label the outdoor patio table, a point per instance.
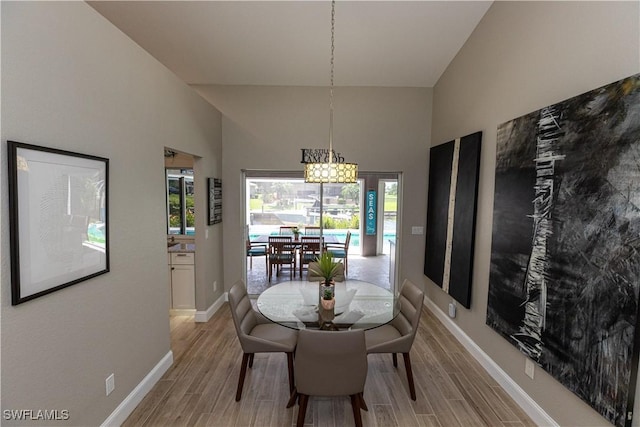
(264, 238)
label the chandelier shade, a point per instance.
(343, 173)
(331, 172)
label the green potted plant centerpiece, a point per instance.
(325, 267)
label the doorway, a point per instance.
(276, 199)
(180, 230)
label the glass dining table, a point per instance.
(358, 305)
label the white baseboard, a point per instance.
(204, 316)
(126, 407)
(182, 311)
(528, 405)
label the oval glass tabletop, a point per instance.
(358, 305)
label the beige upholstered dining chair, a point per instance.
(330, 363)
(257, 334)
(398, 336)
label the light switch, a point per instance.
(110, 384)
(417, 230)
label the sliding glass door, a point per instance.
(274, 202)
(283, 199)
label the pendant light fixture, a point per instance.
(331, 171)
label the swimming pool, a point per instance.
(341, 235)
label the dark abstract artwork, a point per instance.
(565, 256)
(451, 215)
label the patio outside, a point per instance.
(273, 203)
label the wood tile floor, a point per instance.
(199, 389)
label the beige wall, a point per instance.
(382, 129)
(71, 80)
(524, 56)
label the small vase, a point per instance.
(324, 289)
(326, 312)
(328, 304)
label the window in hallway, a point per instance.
(180, 202)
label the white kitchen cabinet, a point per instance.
(183, 281)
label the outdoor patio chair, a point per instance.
(282, 252)
(257, 249)
(287, 230)
(339, 277)
(309, 250)
(340, 250)
(312, 230)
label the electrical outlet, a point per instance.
(417, 230)
(452, 310)
(529, 367)
(110, 383)
(215, 285)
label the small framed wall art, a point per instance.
(215, 201)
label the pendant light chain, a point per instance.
(333, 24)
(330, 171)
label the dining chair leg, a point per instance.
(302, 410)
(251, 262)
(355, 405)
(251, 360)
(293, 398)
(395, 359)
(363, 404)
(243, 372)
(407, 366)
(290, 365)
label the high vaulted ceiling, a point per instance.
(287, 43)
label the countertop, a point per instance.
(182, 247)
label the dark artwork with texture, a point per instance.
(451, 215)
(565, 261)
